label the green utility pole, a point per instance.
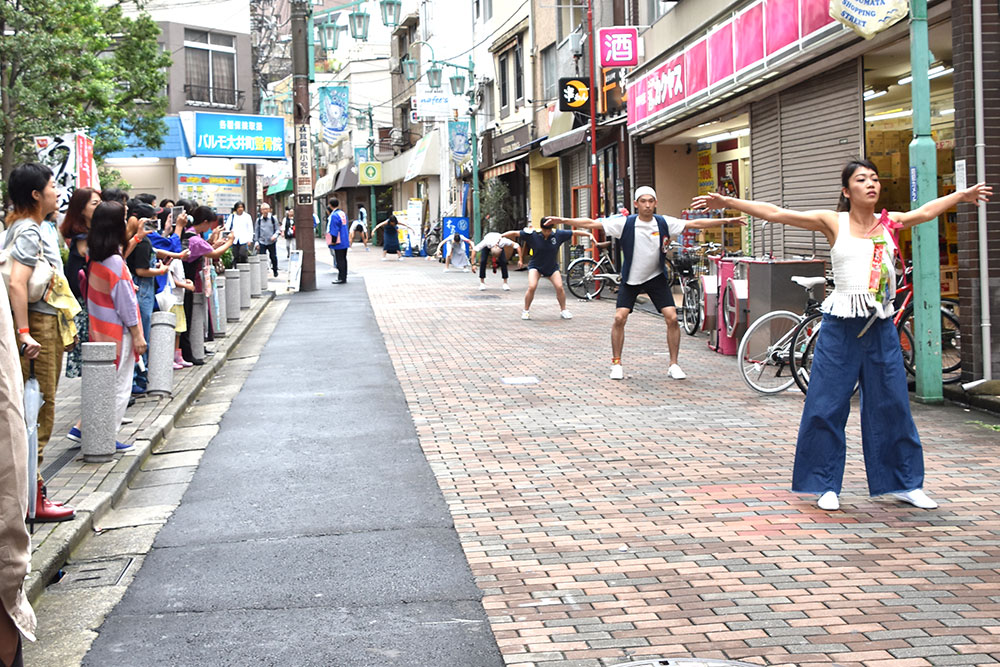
(923, 188)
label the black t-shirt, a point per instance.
(545, 251)
(140, 258)
(73, 264)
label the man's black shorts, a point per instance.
(545, 271)
(657, 289)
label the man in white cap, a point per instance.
(644, 240)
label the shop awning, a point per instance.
(324, 184)
(279, 186)
(173, 145)
(556, 145)
(346, 177)
(501, 168)
(425, 157)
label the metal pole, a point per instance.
(372, 216)
(594, 186)
(477, 227)
(923, 188)
(304, 237)
(984, 255)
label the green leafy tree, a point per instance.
(497, 206)
(70, 65)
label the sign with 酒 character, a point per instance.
(619, 46)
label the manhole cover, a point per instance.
(94, 573)
(686, 662)
(482, 296)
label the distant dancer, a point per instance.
(456, 252)
(544, 245)
(390, 237)
(493, 252)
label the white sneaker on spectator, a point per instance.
(917, 498)
(617, 373)
(828, 501)
(676, 373)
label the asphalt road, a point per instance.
(313, 532)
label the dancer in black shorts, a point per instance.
(644, 241)
(544, 246)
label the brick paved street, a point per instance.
(610, 521)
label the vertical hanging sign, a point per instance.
(303, 165)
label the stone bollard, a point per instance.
(233, 291)
(265, 271)
(161, 353)
(97, 402)
(245, 289)
(219, 322)
(255, 276)
(196, 327)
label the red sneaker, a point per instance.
(47, 511)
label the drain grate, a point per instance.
(93, 574)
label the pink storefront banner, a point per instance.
(761, 30)
(720, 54)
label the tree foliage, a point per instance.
(70, 65)
(497, 206)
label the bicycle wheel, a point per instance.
(803, 342)
(580, 279)
(764, 352)
(691, 310)
(951, 344)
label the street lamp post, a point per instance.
(457, 86)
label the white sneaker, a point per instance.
(566, 315)
(617, 373)
(399, 258)
(506, 287)
(482, 287)
(917, 498)
(828, 501)
(445, 270)
(525, 315)
(676, 373)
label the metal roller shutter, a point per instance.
(765, 171)
(814, 127)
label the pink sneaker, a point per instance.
(179, 361)
(177, 366)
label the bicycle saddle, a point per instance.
(808, 282)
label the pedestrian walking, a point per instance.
(240, 226)
(858, 342)
(360, 224)
(340, 241)
(390, 237)
(17, 619)
(267, 229)
(645, 237)
(32, 190)
(544, 245)
(493, 252)
(288, 231)
(456, 252)
(112, 302)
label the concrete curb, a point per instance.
(53, 553)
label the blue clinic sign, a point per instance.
(239, 136)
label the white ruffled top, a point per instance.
(852, 264)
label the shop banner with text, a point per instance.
(333, 112)
(869, 17)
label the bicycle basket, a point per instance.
(684, 263)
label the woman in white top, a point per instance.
(240, 225)
(847, 353)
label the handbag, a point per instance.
(165, 297)
(40, 280)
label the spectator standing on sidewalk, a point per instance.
(16, 615)
(288, 231)
(202, 219)
(857, 341)
(112, 302)
(267, 229)
(145, 269)
(340, 241)
(645, 237)
(333, 220)
(544, 245)
(32, 191)
(240, 226)
(74, 229)
(492, 251)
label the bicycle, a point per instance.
(587, 277)
(770, 344)
(690, 265)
